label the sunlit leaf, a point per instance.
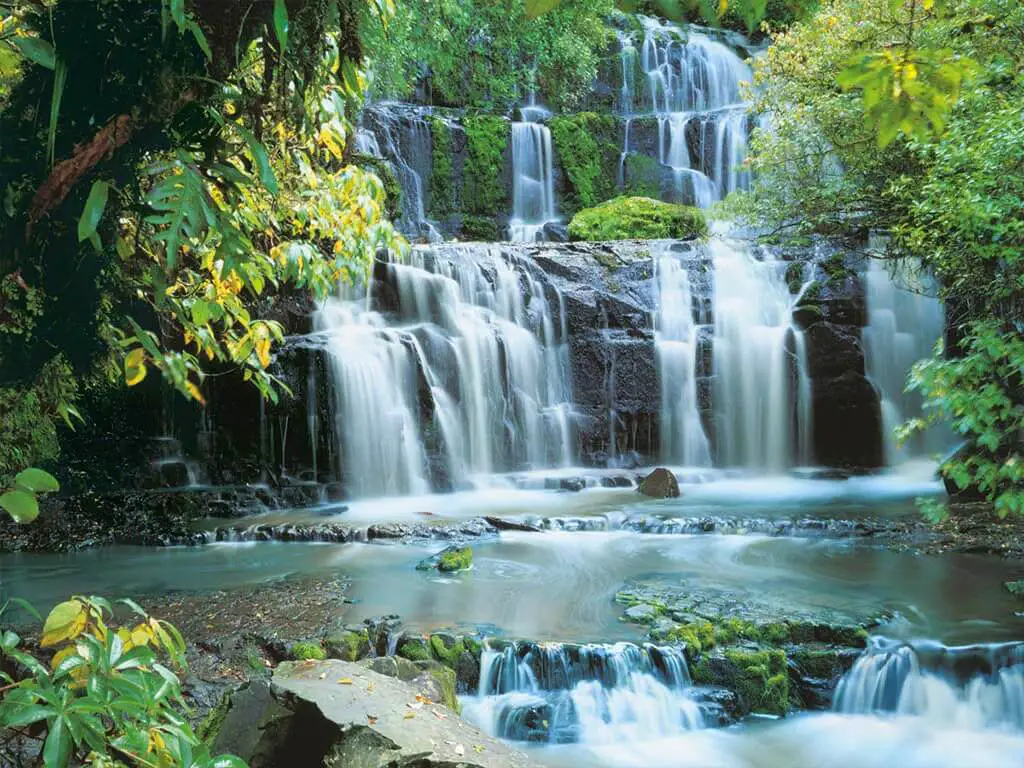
(20, 505)
(66, 621)
(93, 211)
(36, 481)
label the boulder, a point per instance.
(448, 560)
(660, 484)
(373, 721)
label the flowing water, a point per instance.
(692, 83)
(533, 185)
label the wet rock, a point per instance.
(660, 484)
(511, 525)
(642, 614)
(310, 720)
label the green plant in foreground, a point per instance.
(637, 218)
(108, 697)
(21, 501)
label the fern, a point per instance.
(183, 207)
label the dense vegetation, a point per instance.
(854, 145)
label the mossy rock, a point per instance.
(447, 648)
(455, 560)
(1015, 588)
(817, 663)
(480, 228)
(638, 218)
(350, 645)
(642, 176)
(446, 683)
(308, 651)
(587, 148)
(442, 191)
(487, 137)
(762, 682)
(414, 648)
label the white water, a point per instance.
(692, 83)
(533, 186)
(905, 319)
(683, 441)
(479, 339)
(762, 409)
(590, 694)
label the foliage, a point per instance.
(642, 176)
(308, 651)
(949, 192)
(21, 500)
(109, 696)
(487, 137)
(637, 218)
(981, 394)
(487, 54)
(197, 166)
(587, 148)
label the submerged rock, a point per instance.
(660, 484)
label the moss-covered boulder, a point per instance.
(448, 560)
(638, 218)
(762, 682)
(306, 651)
(349, 645)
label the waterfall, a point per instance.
(761, 385)
(403, 138)
(904, 322)
(533, 178)
(591, 694)
(693, 87)
(966, 687)
(683, 441)
(460, 353)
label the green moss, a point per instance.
(308, 651)
(698, 636)
(795, 277)
(209, 728)
(640, 218)
(762, 682)
(414, 649)
(455, 560)
(383, 171)
(447, 649)
(442, 193)
(835, 267)
(587, 150)
(348, 646)
(487, 138)
(642, 176)
(701, 673)
(474, 646)
(1015, 588)
(445, 678)
(775, 634)
(481, 228)
(818, 663)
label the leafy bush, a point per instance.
(638, 218)
(109, 695)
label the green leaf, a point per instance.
(20, 505)
(37, 481)
(36, 50)
(178, 13)
(259, 153)
(57, 749)
(200, 37)
(93, 211)
(281, 23)
(17, 717)
(60, 79)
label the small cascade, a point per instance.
(403, 138)
(980, 686)
(460, 353)
(533, 185)
(683, 441)
(692, 83)
(762, 392)
(590, 694)
(905, 319)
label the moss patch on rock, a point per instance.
(637, 218)
(447, 648)
(350, 645)
(480, 228)
(308, 651)
(587, 150)
(762, 682)
(414, 649)
(455, 560)
(642, 176)
(442, 192)
(445, 679)
(487, 137)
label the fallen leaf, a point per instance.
(479, 748)
(369, 688)
(345, 681)
(408, 715)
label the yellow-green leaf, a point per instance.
(93, 211)
(135, 366)
(21, 505)
(65, 622)
(36, 50)
(281, 23)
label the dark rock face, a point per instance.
(847, 422)
(660, 484)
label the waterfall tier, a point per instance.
(589, 694)
(979, 686)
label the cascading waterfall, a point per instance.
(905, 319)
(761, 386)
(404, 140)
(693, 86)
(591, 694)
(978, 686)
(533, 185)
(475, 348)
(683, 441)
